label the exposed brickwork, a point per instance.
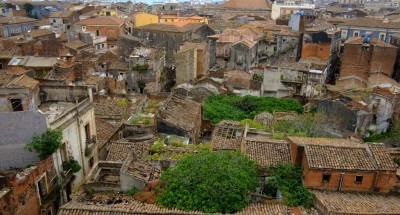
(320, 51)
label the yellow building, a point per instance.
(181, 18)
(108, 12)
(141, 19)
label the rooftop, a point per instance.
(141, 170)
(325, 142)
(55, 109)
(139, 208)
(40, 32)
(267, 152)
(180, 112)
(15, 20)
(62, 14)
(357, 203)
(333, 157)
(101, 20)
(172, 26)
(104, 130)
(22, 81)
(227, 135)
(249, 5)
(76, 44)
(371, 22)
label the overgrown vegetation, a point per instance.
(71, 165)
(287, 178)
(170, 150)
(231, 107)
(45, 144)
(397, 161)
(132, 191)
(140, 67)
(200, 183)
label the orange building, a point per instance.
(343, 165)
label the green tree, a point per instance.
(210, 182)
(287, 178)
(28, 7)
(46, 143)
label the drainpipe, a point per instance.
(341, 181)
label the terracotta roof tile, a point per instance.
(171, 27)
(371, 22)
(119, 151)
(250, 5)
(102, 20)
(76, 44)
(333, 157)
(325, 141)
(180, 112)
(40, 32)
(22, 81)
(357, 203)
(104, 130)
(382, 158)
(134, 207)
(267, 152)
(15, 20)
(62, 14)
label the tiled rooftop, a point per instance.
(356, 203)
(138, 208)
(180, 112)
(167, 27)
(40, 32)
(382, 158)
(227, 135)
(371, 22)
(267, 152)
(119, 151)
(325, 141)
(333, 157)
(141, 170)
(104, 130)
(102, 20)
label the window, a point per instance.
(356, 33)
(91, 162)
(42, 187)
(16, 104)
(1, 66)
(326, 177)
(97, 33)
(64, 153)
(87, 132)
(359, 179)
(382, 36)
(54, 21)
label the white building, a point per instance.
(289, 7)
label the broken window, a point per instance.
(359, 179)
(326, 177)
(16, 104)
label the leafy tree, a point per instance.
(287, 178)
(209, 182)
(28, 7)
(46, 143)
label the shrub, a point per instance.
(199, 183)
(46, 143)
(158, 147)
(132, 191)
(287, 178)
